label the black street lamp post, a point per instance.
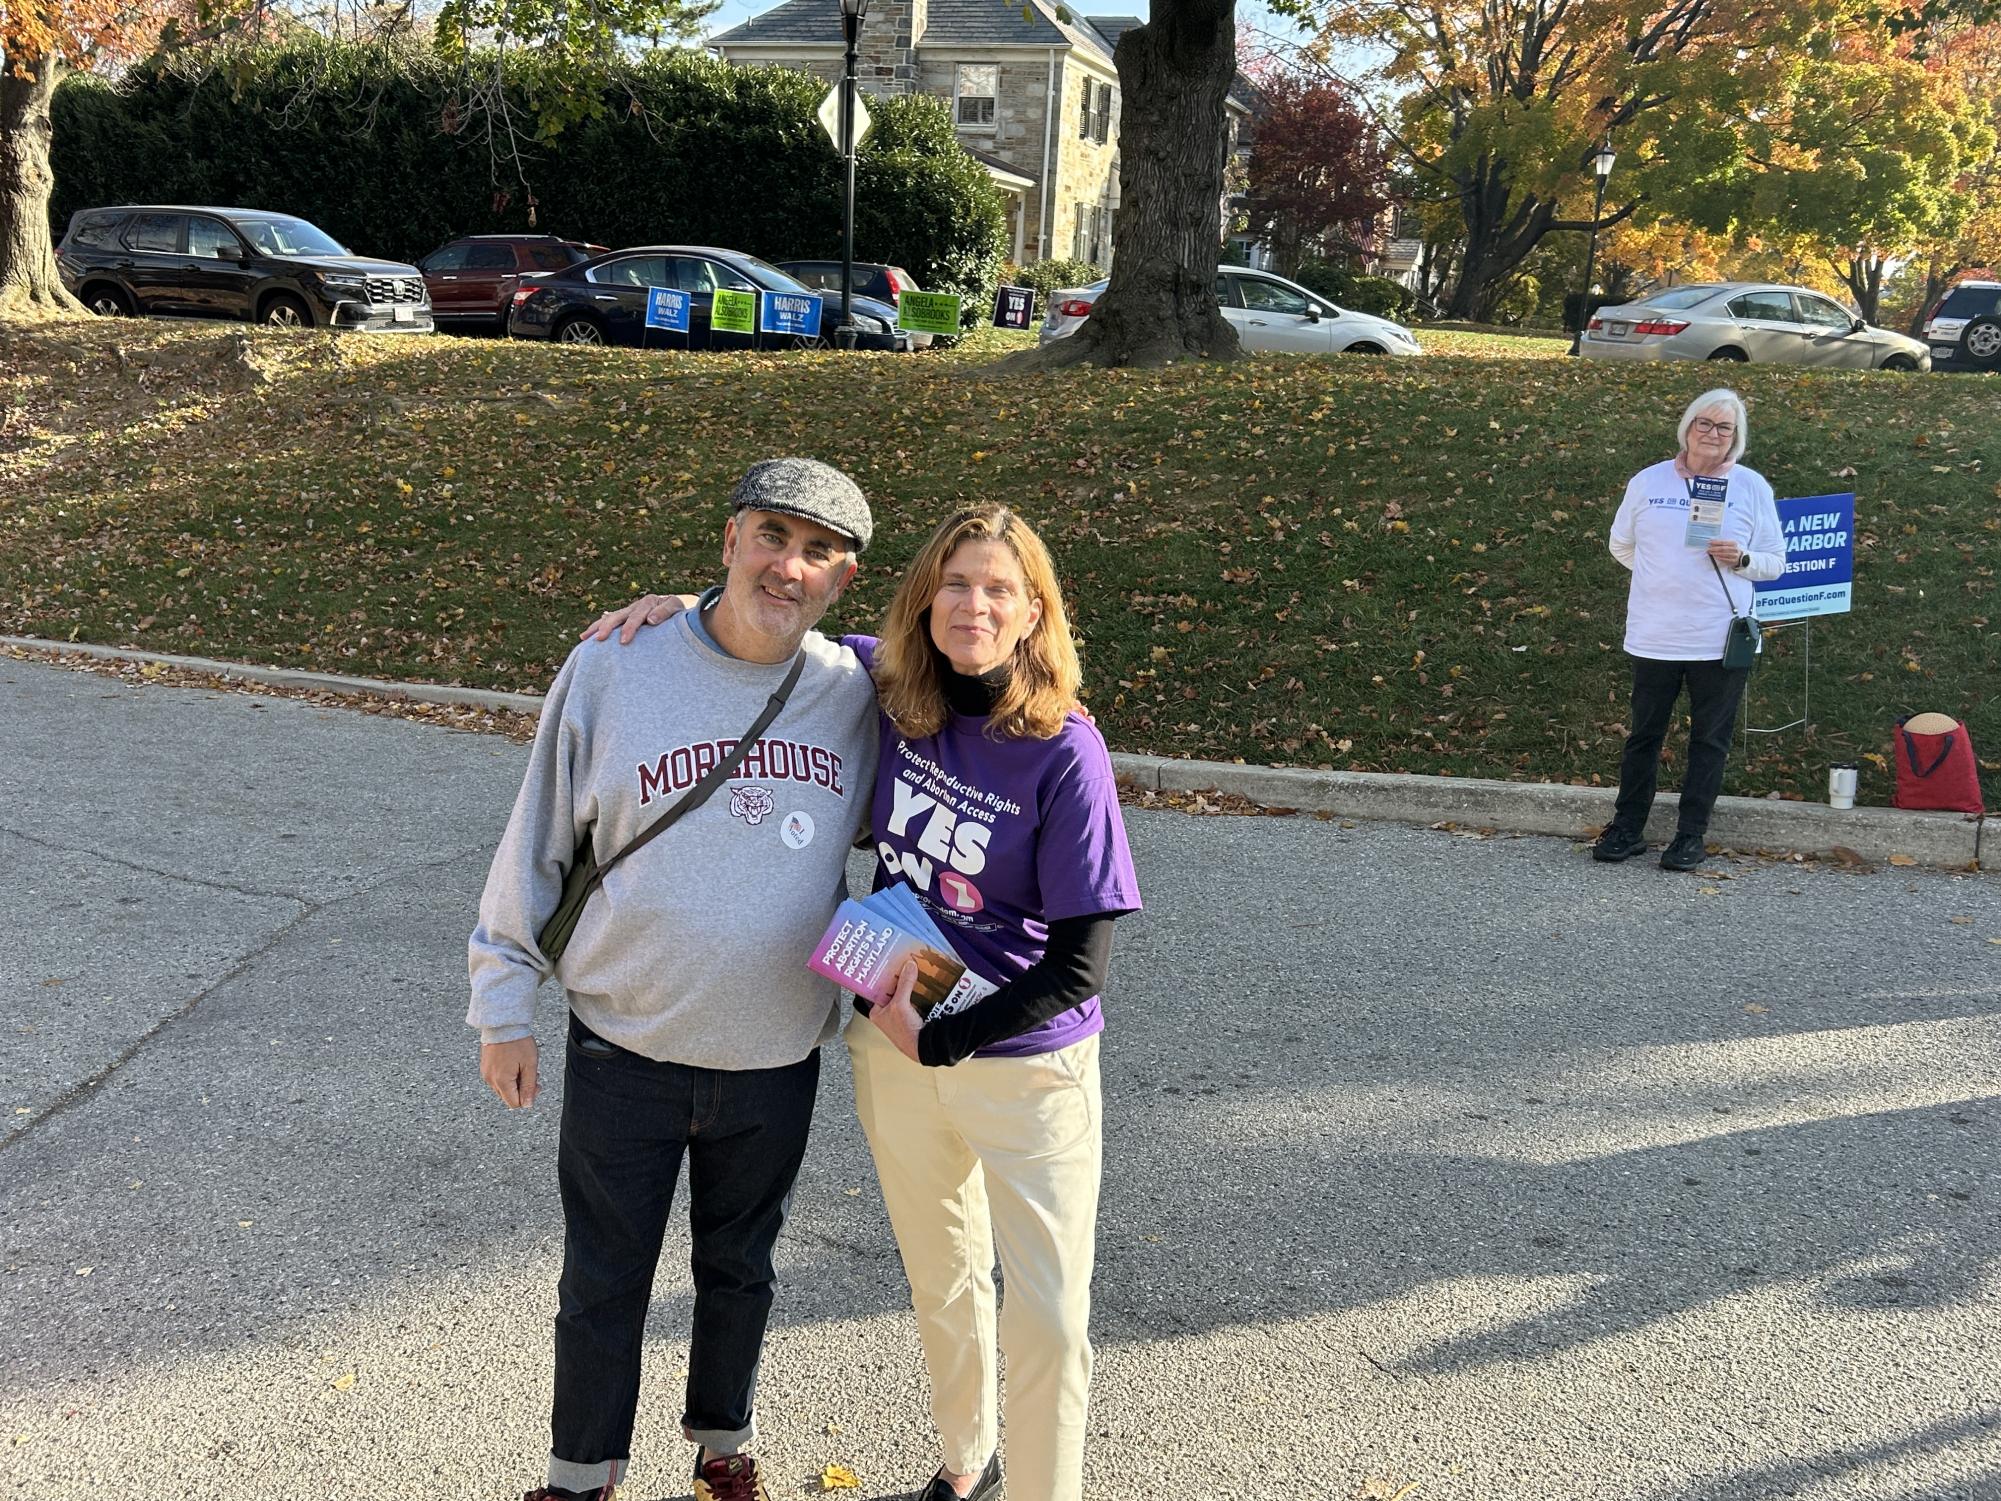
(1601, 167)
(852, 13)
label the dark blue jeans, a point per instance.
(627, 1123)
(1713, 692)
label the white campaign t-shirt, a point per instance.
(1675, 609)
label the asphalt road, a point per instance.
(1432, 1161)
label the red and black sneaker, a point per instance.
(728, 1477)
(554, 1493)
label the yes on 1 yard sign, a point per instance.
(1014, 307)
(1820, 560)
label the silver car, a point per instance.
(1268, 312)
(1756, 321)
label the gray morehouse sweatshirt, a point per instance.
(694, 949)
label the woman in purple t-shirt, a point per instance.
(995, 803)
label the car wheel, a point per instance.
(1364, 349)
(580, 330)
(1730, 356)
(286, 312)
(108, 302)
(1980, 342)
(1901, 362)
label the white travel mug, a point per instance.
(1841, 786)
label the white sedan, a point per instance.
(1268, 312)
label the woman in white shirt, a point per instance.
(1696, 531)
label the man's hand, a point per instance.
(648, 609)
(509, 1071)
(897, 1018)
(1726, 553)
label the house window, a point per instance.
(1080, 241)
(1084, 117)
(979, 84)
(1104, 130)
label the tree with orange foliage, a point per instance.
(40, 42)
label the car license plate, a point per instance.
(1944, 348)
(403, 314)
(1618, 330)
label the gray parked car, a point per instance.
(1756, 321)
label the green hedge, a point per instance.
(376, 145)
(1355, 290)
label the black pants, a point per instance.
(627, 1123)
(1713, 692)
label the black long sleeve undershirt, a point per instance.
(1070, 971)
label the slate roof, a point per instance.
(959, 23)
(949, 23)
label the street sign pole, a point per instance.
(851, 25)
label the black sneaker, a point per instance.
(987, 1485)
(1617, 843)
(555, 1493)
(1685, 853)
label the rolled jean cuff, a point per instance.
(571, 1475)
(721, 1440)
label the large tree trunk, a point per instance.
(29, 286)
(1160, 305)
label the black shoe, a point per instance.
(988, 1484)
(1685, 853)
(1617, 843)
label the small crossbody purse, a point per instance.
(1745, 639)
(585, 874)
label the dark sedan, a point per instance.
(603, 301)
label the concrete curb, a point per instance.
(290, 677)
(1947, 841)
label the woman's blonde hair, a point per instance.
(1042, 688)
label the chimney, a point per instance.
(886, 61)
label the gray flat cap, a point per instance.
(806, 488)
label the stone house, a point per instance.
(1034, 97)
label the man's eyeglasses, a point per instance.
(1706, 425)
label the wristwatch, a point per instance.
(1743, 561)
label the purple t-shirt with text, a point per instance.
(998, 838)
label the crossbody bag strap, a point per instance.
(1729, 599)
(716, 775)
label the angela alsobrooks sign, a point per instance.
(1820, 560)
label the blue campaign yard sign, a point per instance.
(666, 308)
(789, 313)
(1820, 560)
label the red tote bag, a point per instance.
(1935, 765)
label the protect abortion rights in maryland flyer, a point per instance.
(868, 942)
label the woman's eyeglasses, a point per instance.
(1721, 429)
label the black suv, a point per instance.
(234, 263)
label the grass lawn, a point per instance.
(1370, 564)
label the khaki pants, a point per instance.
(995, 1153)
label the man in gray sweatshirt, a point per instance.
(695, 1025)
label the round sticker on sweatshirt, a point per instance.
(797, 830)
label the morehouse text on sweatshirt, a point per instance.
(1676, 611)
(693, 950)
